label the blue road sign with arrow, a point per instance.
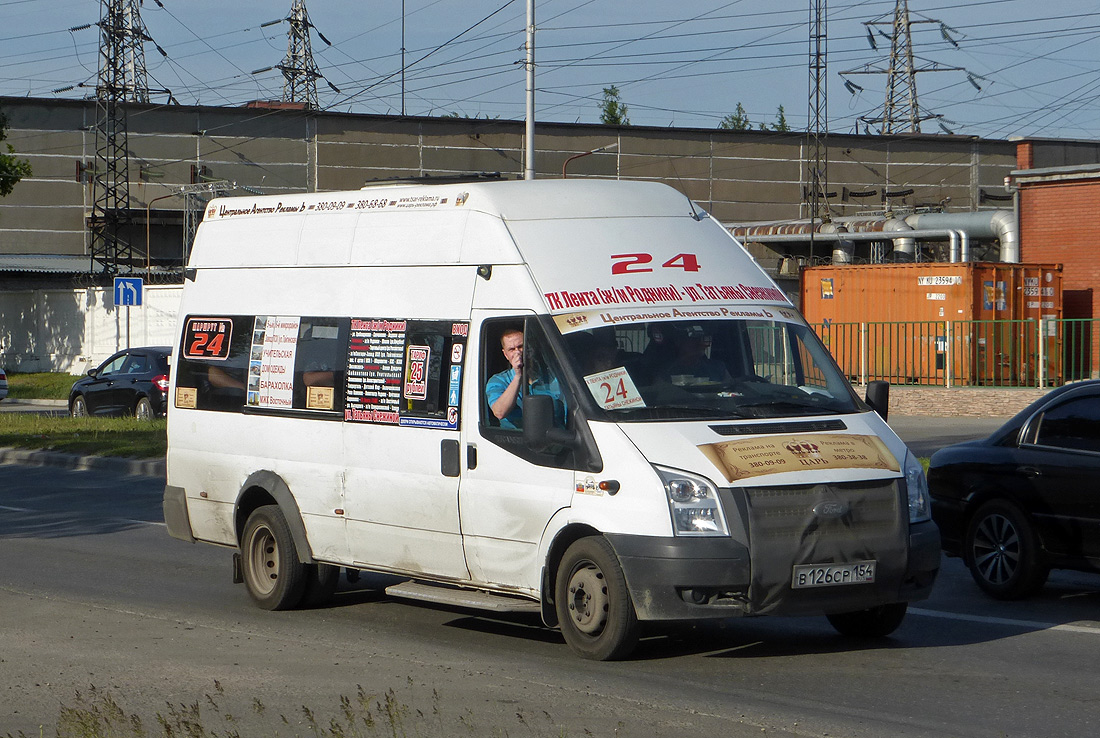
(128, 291)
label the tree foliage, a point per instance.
(11, 169)
(612, 109)
(475, 116)
(780, 121)
(738, 120)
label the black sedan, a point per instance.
(1027, 499)
(132, 382)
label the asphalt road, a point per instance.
(925, 435)
(95, 598)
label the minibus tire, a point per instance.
(593, 603)
(875, 622)
(275, 578)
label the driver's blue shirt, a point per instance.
(497, 383)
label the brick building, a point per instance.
(1058, 200)
(1059, 211)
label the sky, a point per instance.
(995, 68)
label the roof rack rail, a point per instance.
(445, 179)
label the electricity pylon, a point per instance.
(122, 78)
(901, 113)
(817, 131)
(300, 72)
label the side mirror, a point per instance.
(93, 371)
(539, 432)
(878, 397)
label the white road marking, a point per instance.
(124, 520)
(1032, 624)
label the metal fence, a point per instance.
(990, 353)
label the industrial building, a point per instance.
(742, 177)
(906, 198)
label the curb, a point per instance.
(21, 402)
(77, 462)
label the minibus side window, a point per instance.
(503, 423)
(319, 365)
(212, 371)
(433, 368)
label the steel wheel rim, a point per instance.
(263, 557)
(588, 600)
(996, 549)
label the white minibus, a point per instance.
(580, 398)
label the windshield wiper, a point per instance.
(663, 411)
(786, 405)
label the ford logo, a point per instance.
(830, 509)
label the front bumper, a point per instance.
(712, 578)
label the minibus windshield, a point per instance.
(724, 368)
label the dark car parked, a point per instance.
(132, 382)
(1027, 499)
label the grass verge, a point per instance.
(40, 385)
(97, 714)
(129, 437)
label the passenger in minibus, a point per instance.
(692, 364)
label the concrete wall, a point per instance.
(740, 176)
(72, 330)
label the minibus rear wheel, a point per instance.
(275, 578)
(593, 603)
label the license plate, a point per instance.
(831, 575)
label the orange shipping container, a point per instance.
(938, 323)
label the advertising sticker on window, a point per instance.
(375, 359)
(271, 368)
(416, 373)
(614, 389)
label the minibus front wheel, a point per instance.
(593, 603)
(275, 578)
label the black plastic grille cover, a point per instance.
(785, 530)
(793, 426)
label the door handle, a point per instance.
(448, 457)
(1029, 471)
(471, 456)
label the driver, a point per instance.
(504, 390)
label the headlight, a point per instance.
(917, 486)
(693, 502)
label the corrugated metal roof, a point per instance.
(45, 264)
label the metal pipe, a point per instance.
(984, 224)
(148, 208)
(584, 154)
(529, 170)
(998, 224)
(958, 248)
(922, 234)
